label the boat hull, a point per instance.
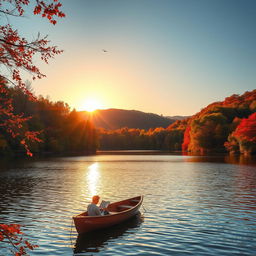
(119, 212)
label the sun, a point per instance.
(91, 105)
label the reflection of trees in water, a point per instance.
(96, 240)
(240, 159)
(222, 158)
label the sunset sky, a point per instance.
(170, 57)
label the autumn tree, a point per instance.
(13, 235)
(62, 131)
(186, 138)
(153, 139)
(207, 133)
(244, 137)
(208, 130)
(17, 56)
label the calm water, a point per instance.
(194, 205)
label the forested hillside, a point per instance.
(60, 130)
(112, 119)
(227, 126)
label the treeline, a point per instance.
(62, 131)
(153, 139)
(228, 126)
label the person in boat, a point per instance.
(94, 210)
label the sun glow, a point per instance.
(93, 176)
(91, 105)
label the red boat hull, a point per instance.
(119, 212)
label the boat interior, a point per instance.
(124, 205)
(121, 206)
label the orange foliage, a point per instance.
(16, 54)
(204, 132)
(236, 100)
(212, 126)
(13, 123)
(12, 234)
(186, 139)
(243, 139)
(246, 130)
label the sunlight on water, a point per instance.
(93, 177)
(200, 206)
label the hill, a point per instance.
(112, 119)
(178, 117)
(224, 126)
(228, 124)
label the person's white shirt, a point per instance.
(93, 210)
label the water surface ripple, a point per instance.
(194, 206)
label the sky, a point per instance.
(169, 57)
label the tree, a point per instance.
(16, 55)
(211, 129)
(244, 136)
(11, 123)
(12, 234)
(186, 139)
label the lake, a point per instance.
(193, 205)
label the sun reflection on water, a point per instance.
(93, 176)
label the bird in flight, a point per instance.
(104, 50)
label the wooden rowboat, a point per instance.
(119, 212)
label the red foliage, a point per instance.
(178, 124)
(16, 54)
(236, 100)
(12, 234)
(246, 130)
(12, 123)
(49, 10)
(186, 139)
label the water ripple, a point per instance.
(193, 206)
